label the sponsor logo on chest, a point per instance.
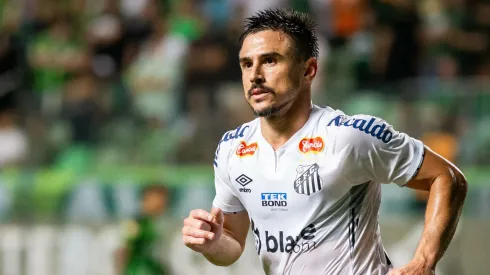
(245, 149)
(311, 145)
(275, 201)
(282, 243)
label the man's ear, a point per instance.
(310, 70)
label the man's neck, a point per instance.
(277, 130)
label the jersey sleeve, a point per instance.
(224, 198)
(379, 153)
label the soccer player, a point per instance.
(140, 255)
(306, 178)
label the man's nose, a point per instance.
(257, 76)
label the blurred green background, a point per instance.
(99, 98)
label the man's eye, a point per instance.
(247, 65)
(270, 60)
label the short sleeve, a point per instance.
(377, 152)
(224, 198)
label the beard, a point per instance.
(269, 111)
(272, 110)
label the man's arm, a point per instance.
(230, 246)
(447, 188)
(219, 237)
(379, 153)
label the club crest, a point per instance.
(308, 181)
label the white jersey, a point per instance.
(313, 203)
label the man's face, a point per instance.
(154, 203)
(271, 71)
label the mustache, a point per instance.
(259, 86)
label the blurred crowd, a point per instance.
(137, 83)
(94, 82)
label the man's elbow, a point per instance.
(224, 262)
(459, 185)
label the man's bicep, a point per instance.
(433, 166)
(236, 225)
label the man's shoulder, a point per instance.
(232, 138)
(359, 128)
(242, 133)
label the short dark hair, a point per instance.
(299, 26)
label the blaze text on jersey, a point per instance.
(285, 244)
(378, 131)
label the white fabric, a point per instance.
(13, 146)
(314, 202)
(164, 64)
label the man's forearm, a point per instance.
(447, 195)
(225, 252)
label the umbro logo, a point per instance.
(243, 180)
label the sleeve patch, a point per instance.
(230, 135)
(377, 130)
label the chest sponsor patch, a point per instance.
(280, 242)
(314, 145)
(275, 201)
(245, 149)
